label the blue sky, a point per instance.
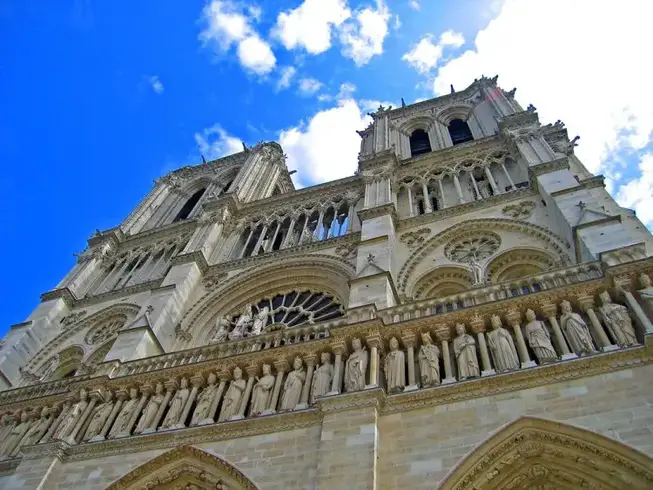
(97, 99)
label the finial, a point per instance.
(203, 159)
(245, 146)
(452, 89)
(403, 102)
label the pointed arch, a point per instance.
(537, 453)
(185, 467)
(443, 281)
(518, 262)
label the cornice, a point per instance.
(17, 326)
(591, 183)
(186, 258)
(387, 209)
(62, 293)
(119, 293)
(561, 163)
(518, 119)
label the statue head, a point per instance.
(530, 315)
(238, 373)
(297, 363)
(23, 416)
(495, 321)
(426, 338)
(460, 328)
(159, 388)
(45, 412)
(394, 344)
(356, 343)
(644, 281)
(212, 378)
(83, 394)
(133, 393)
(266, 369)
(184, 382)
(248, 309)
(605, 298)
(325, 357)
(565, 306)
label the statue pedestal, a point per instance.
(489, 372)
(528, 364)
(69, 440)
(566, 357)
(206, 422)
(235, 417)
(97, 438)
(148, 431)
(301, 406)
(164, 429)
(609, 348)
(370, 387)
(332, 393)
(178, 426)
(411, 388)
(268, 411)
(121, 435)
(448, 381)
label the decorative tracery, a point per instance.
(105, 330)
(472, 248)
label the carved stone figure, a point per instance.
(204, 400)
(502, 347)
(306, 237)
(242, 324)
(38, 430)
(323, 377)
(646, 291)
(617, 320)
(176, 405)
(150, 410)
(222, 330)
(49, 369)
(99, 416)
(232, 399)
(15, 435)
(394, 366)
(429, 361)
(262, 391)
(260, 321)
(477, 271)
(72, 416)
(464, 348)
(539, 339)
(576, 331)
(292, 388)
(356, 367)
(120, 425)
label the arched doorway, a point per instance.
(536, 453)
(184, 467)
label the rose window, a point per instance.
(105, 330)
(475, 248)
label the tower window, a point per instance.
(189, 206)
(459, 132)
(419, 143)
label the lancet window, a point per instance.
(189, 205)
(459, 132)
(419, 143)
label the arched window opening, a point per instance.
(228, 186)
(189, 206)
(434, 202)
(420, 207)
(419, 143)
(459, 132)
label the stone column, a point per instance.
(513, 317)
(408, 339)
(146, 390)
(477, 196)
(350, 217)
(72, 437)
(623, 286)
(261, 237)
(443, 335)
(170, 385)
(550, 310)
(289, 234)
(336, 385)
(443, 199)
(490, 178)
(121, 396)
(505, 171)
(249, 237)
(410, 201)
(459, 191)
(428, 208)
(197, 381)
(63, 410)
(306, 389)
(477, 325)
(274, 237)
(251, 370)
(210, 419)
(587, 305)
(318, 227)
(374, 343)
(281, 366)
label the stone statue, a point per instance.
(177, 405)
(617, 319)
(72, 416)
(356, 367)
(242, 324)
(646, 291)
(539, 339)
(292, 388)
(99, 416)
(502, 347)
(150, 410)
(576, 331)
(204, 401)
(261, 393)
(429, 361)
(121, 424)
(231, 403)
(484, 188)
(15, 435)
(260, 321)
(323, 377)
(38, 430)
(394, 366)
(464, 348)
(222, 325)
(477, 271)
(306, 237)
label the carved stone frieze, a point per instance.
(521, 210)
(415, 238)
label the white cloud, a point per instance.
(309, 86)
(396, 25)
(362, 37)
(414, 4)
(215, 142)
(586, 73)
(638, 193)
(309, 25)
(228, 23)
(424, 55)
(326, 147)
(156, 84)
(287, 74)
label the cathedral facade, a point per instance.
(471, 309)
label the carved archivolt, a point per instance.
(185, 467)
(443, 281)
(536, 453)
(520, 262)
(472, 246)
